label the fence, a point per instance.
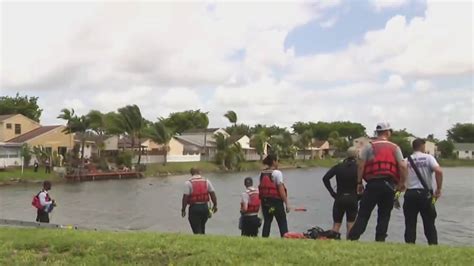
(149, 159)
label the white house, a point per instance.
(464, 150)
(10, 155)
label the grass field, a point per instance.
(28, 174)
(67, 247)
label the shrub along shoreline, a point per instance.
(70, 247)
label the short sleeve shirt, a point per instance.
(367, 153)
(426, 164)
(188, 187)
(244, 198)
(277, 176)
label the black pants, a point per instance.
(42, 216)
(198, 215)
(419, 201)
(250, 225)
(273, 208)
(345, 204)
(378, 192)
(47, 170)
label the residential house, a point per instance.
(201, 142)
(316, 149)
(430, 147)
(90, 145)
(250, 152)
(10, 154)
(51, 138)
(14, 125)
(464, 150)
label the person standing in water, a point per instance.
(345, 199)
(197, 193)
(43, 203)
(273, 195)
(249, 208)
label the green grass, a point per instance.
(456, 163)
(67, 247)
(28, 175)
(184, 167)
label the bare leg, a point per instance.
(336, 227)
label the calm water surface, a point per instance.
(153, 204)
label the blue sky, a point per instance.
(408, 62)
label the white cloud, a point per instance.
(423, 85)
(329, 22)
(394, 82)
(388, 4)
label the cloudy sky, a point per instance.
(409, 62)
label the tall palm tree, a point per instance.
(76, 124)
(305, 140)
(98, 125)
(260, 141)
(232, 116)
(131, 122)
(160, 134)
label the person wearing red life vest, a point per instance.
(384, 170)
(274, 197)
(197, 193)
(249, 208)
(45, 203)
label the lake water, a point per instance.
(153, 204)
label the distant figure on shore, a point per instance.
(383, 168)
(419, 197)
(47, 164)
(249, 208)
(36, 166)
(274, 197)
(197, 193)
(345, 199)
(43, 203)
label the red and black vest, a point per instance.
(36, 200)
(384, 162)
(268, 188)
(254, 201)
(199, 192)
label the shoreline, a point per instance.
(182, 168)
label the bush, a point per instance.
(26, 154)
(124, 158)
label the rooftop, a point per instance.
(32, 134)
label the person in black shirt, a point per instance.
(345, 199)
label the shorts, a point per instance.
(345, 204)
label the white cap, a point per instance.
(383, 126)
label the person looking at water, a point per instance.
(44, 203)
(383, 168)
(345, 199)
(419, 197)
(197, 193)
(273, 195)
(249, 208)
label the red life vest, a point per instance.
(254, 201)
(199, 193)
(268, 188)
(384, 162)
(36, 201)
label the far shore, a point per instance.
(13, 176)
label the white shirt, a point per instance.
(245, 196)
(188, 187)
(277, 177)
(426, 164)
(42, 197)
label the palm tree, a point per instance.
(99, 126)
(131, 122)
(305, 140)
(76, 124)
(260, 141)
(160, 134)
(232, 116)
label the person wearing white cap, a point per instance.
(345, 199)
(384, 170)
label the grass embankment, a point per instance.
(15, 175)
(62, 247)
(208, 167)
(456, 163)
